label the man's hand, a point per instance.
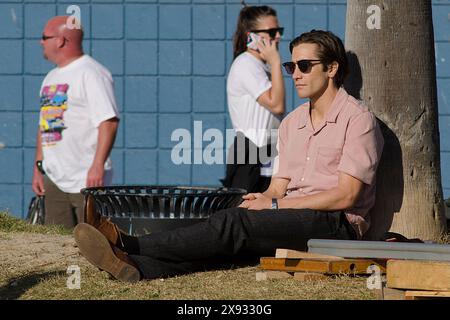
(95, 176)
(256, 201)
(38, 183)
(250, 196)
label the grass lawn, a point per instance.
(34, 262)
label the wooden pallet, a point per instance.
(323, 266)
(293, 254)
(305, 266)
(426, 295)
(418, 275)
(300, 276)
(396, 294)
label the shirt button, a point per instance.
(303, 179)
(301, 189)
(307, 158)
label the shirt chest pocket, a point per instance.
(327, 160)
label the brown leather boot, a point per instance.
(97, 250)
(110, 230)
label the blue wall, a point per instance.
(169, 59)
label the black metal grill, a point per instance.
(144, 204)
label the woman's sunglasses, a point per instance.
(303, 65)
(272, 32)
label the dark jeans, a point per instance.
(232, 233)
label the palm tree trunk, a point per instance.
(393, 72)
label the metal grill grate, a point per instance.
(162, 202)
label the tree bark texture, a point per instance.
(393, 71)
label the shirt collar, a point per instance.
(304, 114)
(336, 107)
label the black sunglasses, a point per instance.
(272, 32)
(303, 65)
(44, 37)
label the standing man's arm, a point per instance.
(38, 180)
(106, 136)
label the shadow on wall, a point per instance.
(390, 183)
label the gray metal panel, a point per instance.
(380, 249)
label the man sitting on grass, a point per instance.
(323, 188)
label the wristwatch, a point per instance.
(274, 203)
(40, 167)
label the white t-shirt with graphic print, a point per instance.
(75, 99)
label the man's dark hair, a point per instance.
(330, 49)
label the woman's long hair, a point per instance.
(247, 21)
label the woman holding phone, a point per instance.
(255, 93)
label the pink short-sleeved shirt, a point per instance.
(349, 141)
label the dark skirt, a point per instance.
(244, 165)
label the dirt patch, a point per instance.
(29, 258)
(28, 251)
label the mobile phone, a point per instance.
(252, 40)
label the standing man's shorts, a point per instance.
(62, 208)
